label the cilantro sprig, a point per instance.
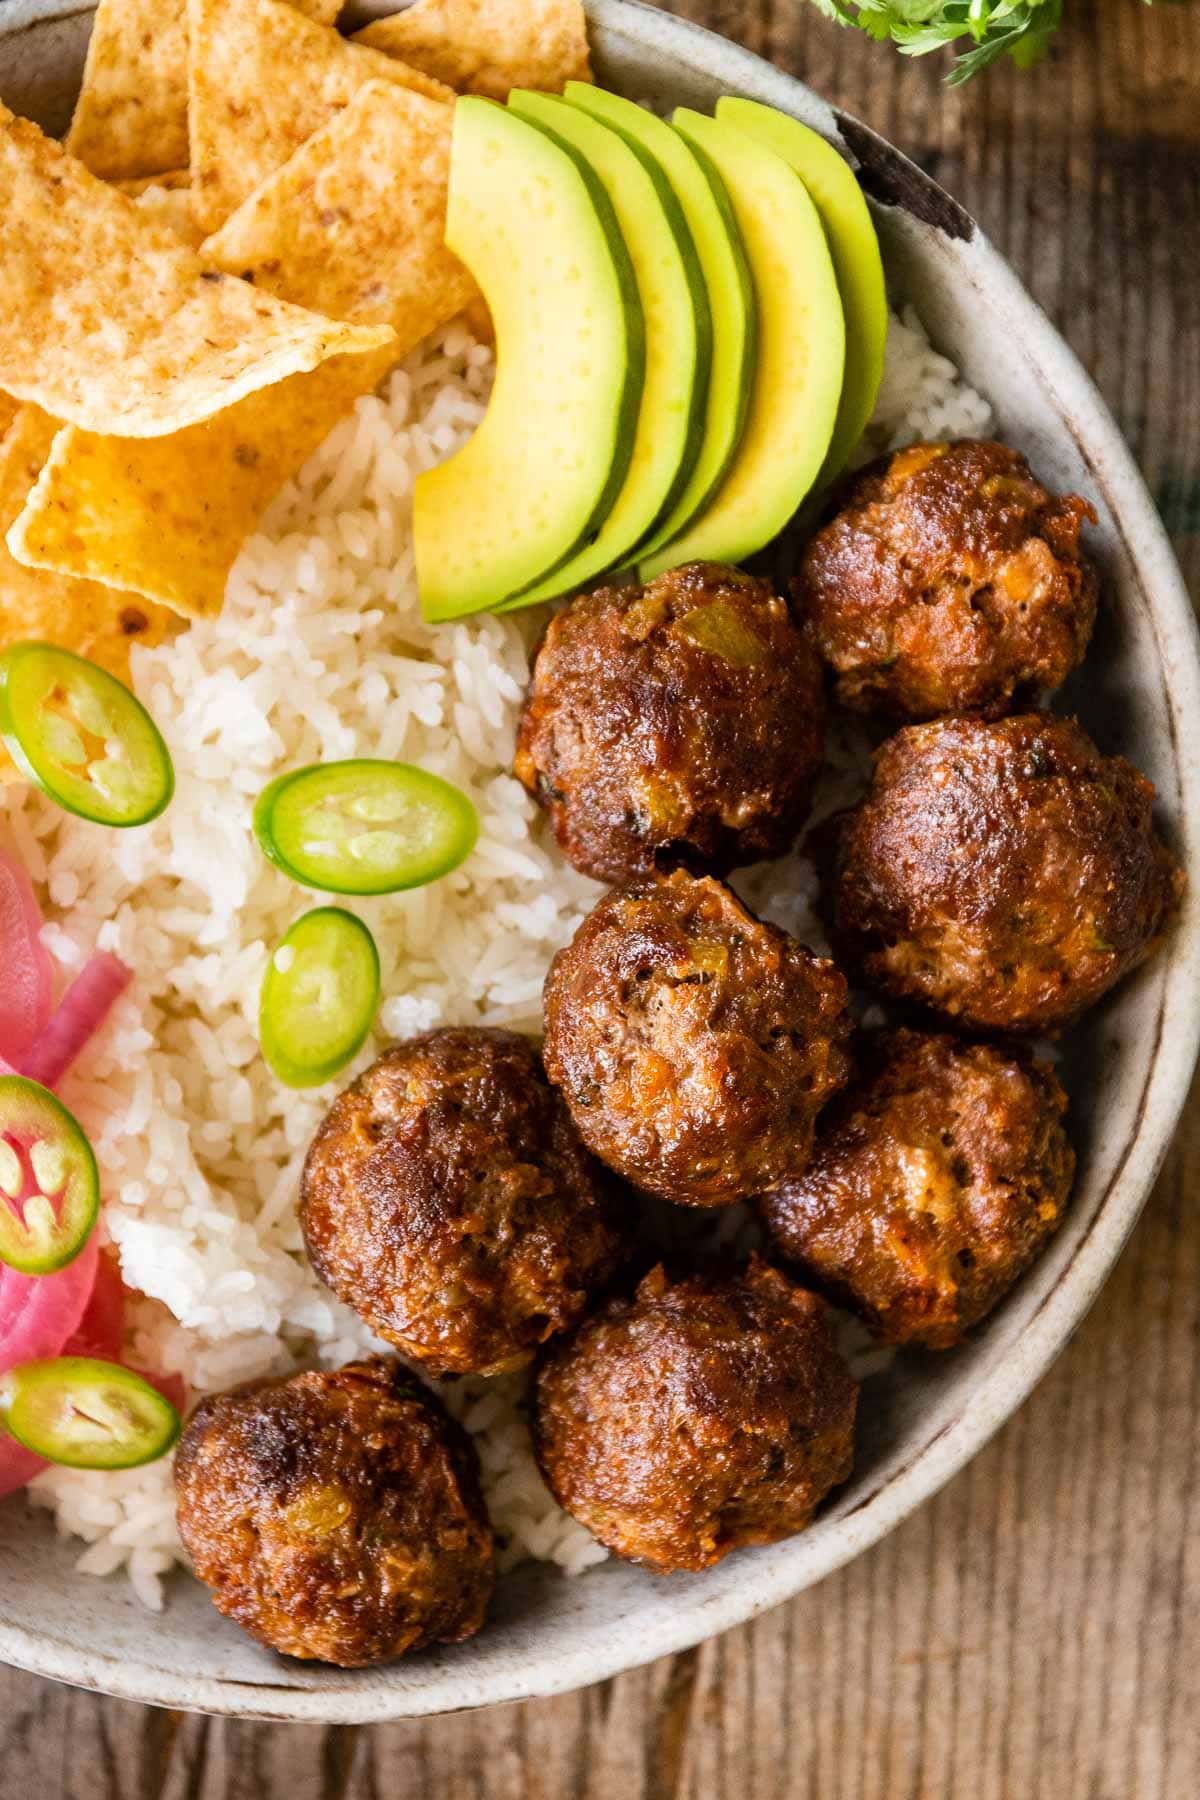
(988, 29)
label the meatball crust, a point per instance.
(937, 1177)
(695, 1045)
(1005, 874)
(336, 1516)
(679, 723)
(949, 581)
(448, 1200)
(697, 1416)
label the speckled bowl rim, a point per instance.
(1058, 1311)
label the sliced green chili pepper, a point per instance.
(80, 734)
(49, 1182)
(365, 827)
(87, 1414)
(319, 997)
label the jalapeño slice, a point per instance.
(319, 997)
(49, 1182)
(364, 827)
(87, 1414)
(80, 734)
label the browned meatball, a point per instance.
(1005, 874)
(936, 1178)
(949, 581)
(700, 1415)
(677, 723)
(336, 1517)
(694, 1044)
(448, 1200)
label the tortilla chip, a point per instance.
(108, 321)
(489, 46)
(131, 116)
(167, 519)
(168, 200)
(83, 616)
(355, 221)
(9, 408)
(136, 185)
(94, 621)
(478, 320)
(263, 79)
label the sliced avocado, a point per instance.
(801, 352)
(856, 260)
(678, 337)
(709, 214)
(535, 228)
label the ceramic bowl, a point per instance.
(1128, 1073)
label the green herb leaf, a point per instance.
(987, 29)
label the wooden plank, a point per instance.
(1032, 1631)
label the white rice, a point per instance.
(322, 653)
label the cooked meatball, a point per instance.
(674, 724)
(694, 1044)
(336, 1516)
(937, 1176)
(698, 1416)
(448, 1200)
(949, 581)
(1005, 874)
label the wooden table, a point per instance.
(1034, 1632)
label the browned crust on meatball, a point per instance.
(695, 1045)
(678, 723)
(696, 1417)
(937, 1177)
(950, 580)
(336, 1516)
(1004, 874)
(448, 1200)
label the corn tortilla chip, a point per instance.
(83, 616)
(109, 322)
(489, 46)
(137, 185)
(478, 320)
(168, 518)
(131, 116)
(361, 209)
(167, 198)
(263, 79)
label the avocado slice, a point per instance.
(857, 262)
(535, 228)
(710, 218)
(674, 301)
(801, 352)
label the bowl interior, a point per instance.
(1127, 1071)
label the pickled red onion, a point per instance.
(171, 1387)
(80, 1309)
(27, 993)
(102, 1328)
(79, 1015)
(99, 1331)
(98, 1334)
(17, 1466)
(38, 1313)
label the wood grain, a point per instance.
(1033, 1633)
